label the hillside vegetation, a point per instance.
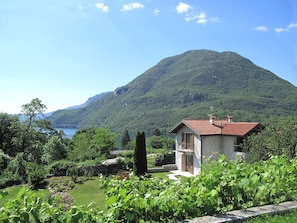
(189, 85)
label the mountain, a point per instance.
(190, 85)
(90, 99)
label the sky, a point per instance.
(64, 52)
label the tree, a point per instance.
(125, 139)
(156, 132)
(140, 160)
(54, 149)
(9, 134)
(278, 139)
(34, 129)
(91, 144)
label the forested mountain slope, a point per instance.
(190, 85)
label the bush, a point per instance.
(61, 167)
(36, 175)
(163, 159)
(223, 185)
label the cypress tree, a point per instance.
(140, 161)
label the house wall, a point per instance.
(214, 146)
(211, 146)
(196, 154)
(178, 143)
(205, 147)
(228, 147)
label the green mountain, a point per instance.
(190, 85)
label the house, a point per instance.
(200, 139)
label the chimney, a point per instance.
(229, 118)
(211, 119)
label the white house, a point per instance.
(200, 139)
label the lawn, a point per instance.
(163, 175)
(11, 193)
(89, 193)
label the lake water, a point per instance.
(68, 132)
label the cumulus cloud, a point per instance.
(261, 29)
(132, 6)
(102, 6)
(290, 26)
(183, 7)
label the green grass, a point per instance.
(11, 194)
(89, 193)
(163, 175)
(290, 217)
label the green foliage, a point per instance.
(223, 185)
(36, 175)
(140, 160)
(125, 139)
(54, 149)
(61, 167)
(9, 133)
(187, 86)
(166, 158)
(91, 144)
(278, 139)
(160, 142)
(36, 208)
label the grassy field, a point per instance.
(89, 194)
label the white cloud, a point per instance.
(190, 14)
(261, 29)
(103, 7)
(132, 6)
(290, 26)
(156, 11)
(183, 7)
(202, 19)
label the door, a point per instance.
(187, 163)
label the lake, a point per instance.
(68, 132)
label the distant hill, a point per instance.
(90, 99)
(190, 85)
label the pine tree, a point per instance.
(140, 161)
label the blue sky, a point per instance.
(66, 51)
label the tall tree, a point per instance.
(91, 144)
(140, 160)
(34, 130)
(125, 139)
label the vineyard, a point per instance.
(224, 185)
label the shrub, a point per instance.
(36, 175)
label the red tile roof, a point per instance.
(219, 127)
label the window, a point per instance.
(237, 146)
(188, 141)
